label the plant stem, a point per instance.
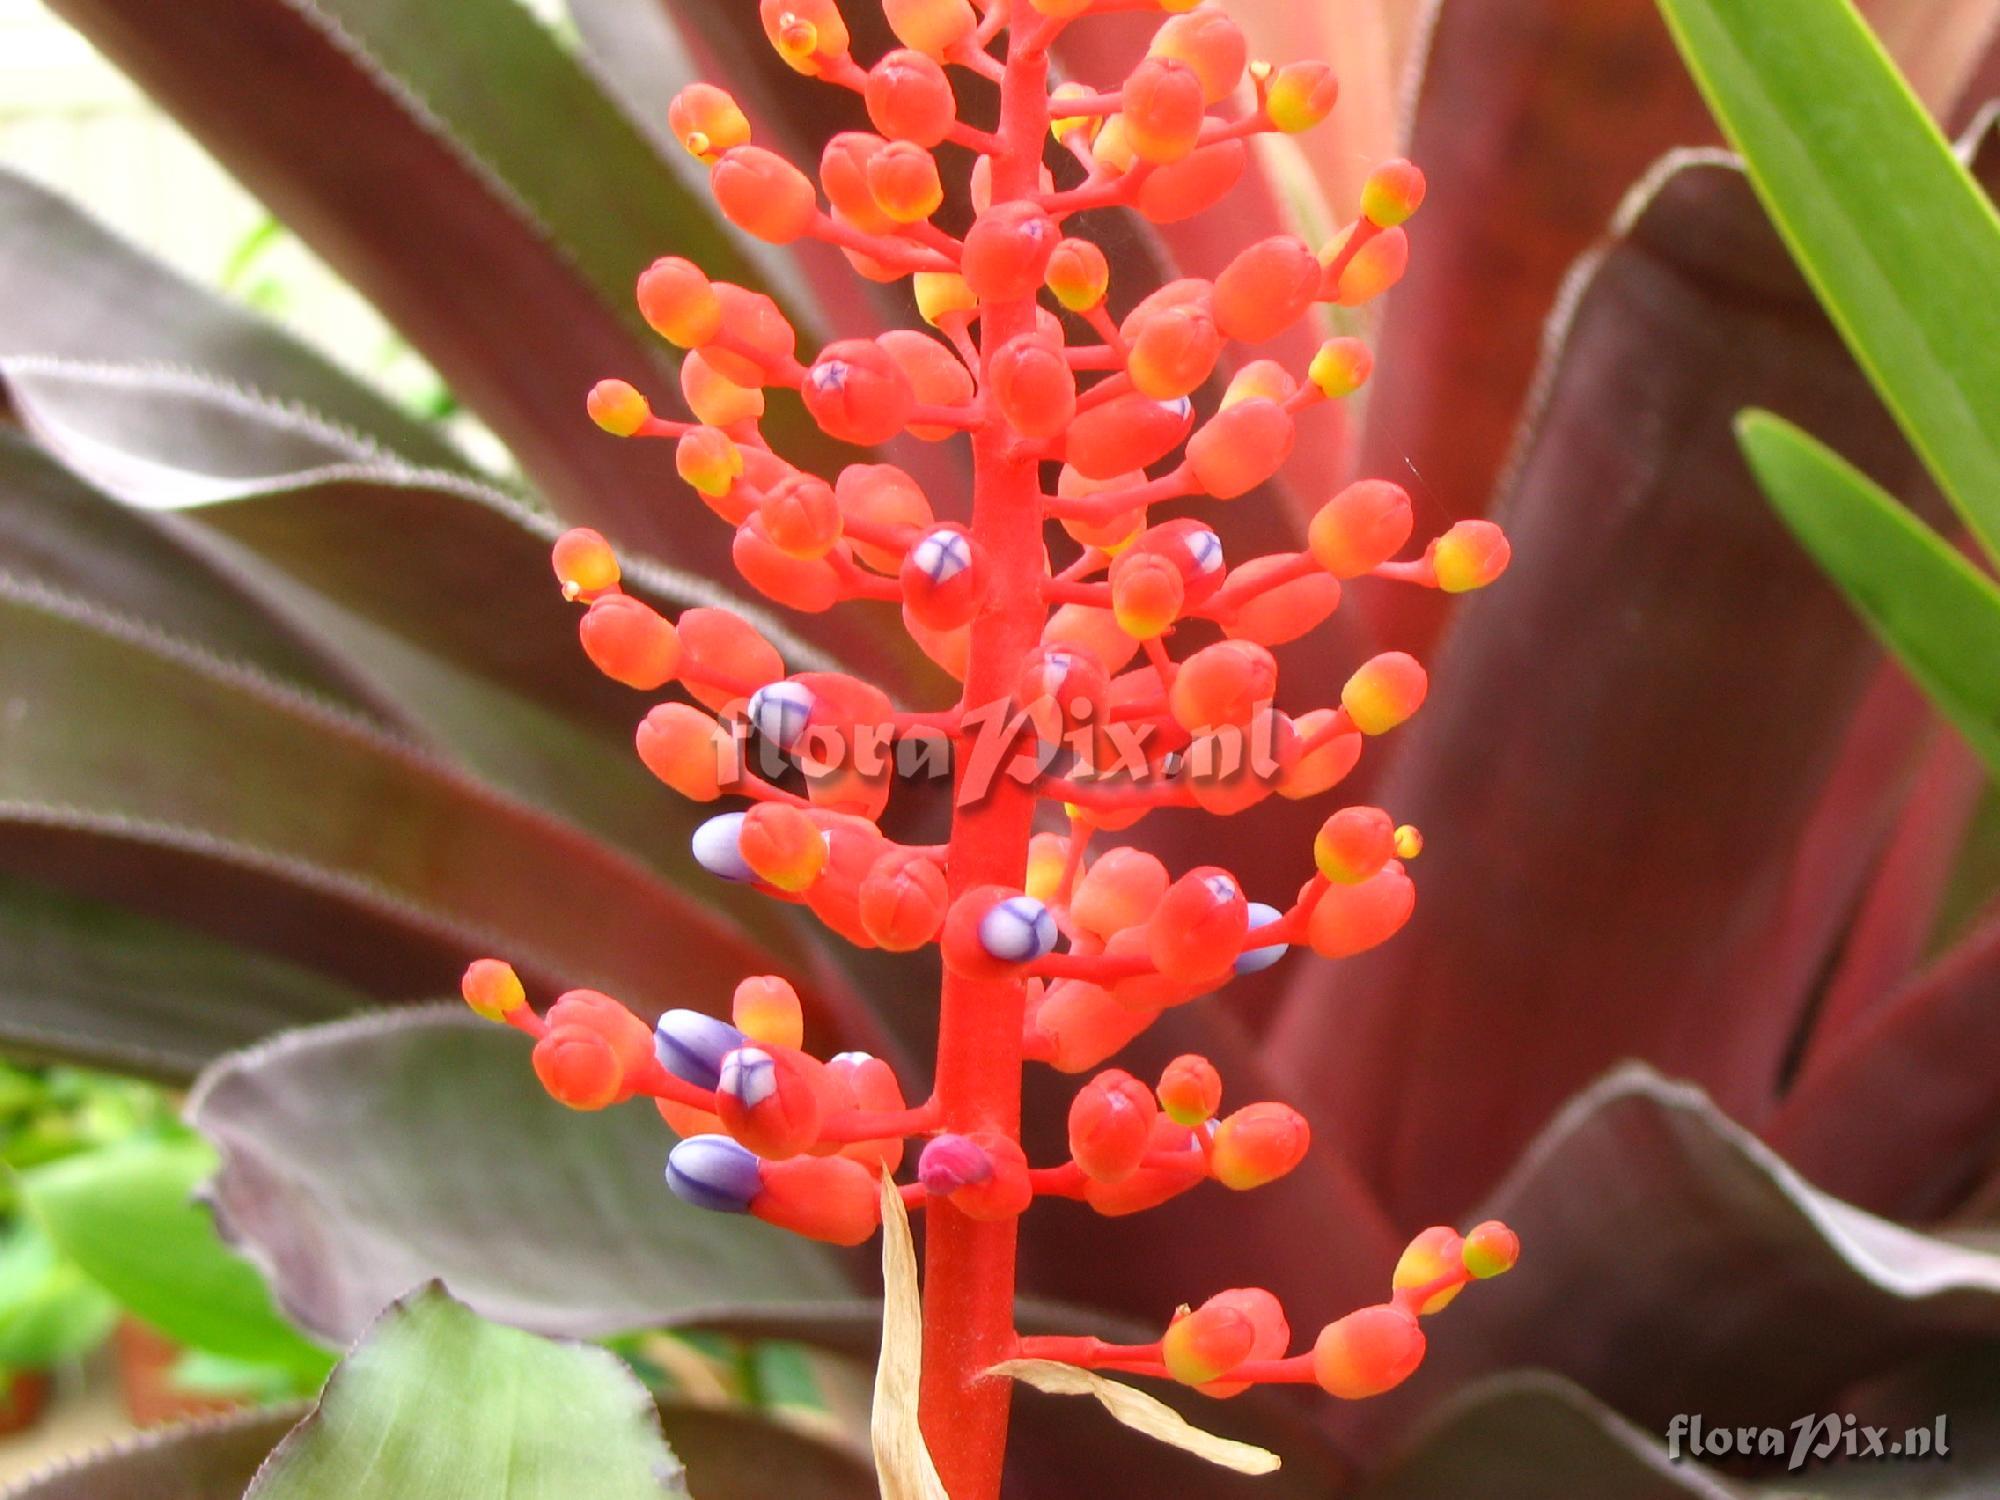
(969, 1265)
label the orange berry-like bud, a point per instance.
(1078, 274)
(857, 392)
(1125, 433)
(1341, 367)
(881, 495)
(936, 374)
(1204, 1345)
(1033, 385)
(1434, 1255)
(1150, 1186)
(578, 1067)
(630, 642)
(1240, 447)
(1230, 768)
(1114, 532)
(1062, 689)
(1185, 188)
(932, 27)
(1360, 528)
(809, 584)
(1300, 95)
(763, 194)
(801, 516)
(1222, 684)
(1190, 1090)
(769, 1099)
(1272, 1333)
(874, 1088)
(909, 98)
(843, 177)
(1007, 251)
(1394, 191)
(752, 319)
(1210, 43)
(1353, 844)
(1077, 1025)
(1110, 1124)
(713, 397)
(1409, 842)
(903, 900)
(1147, 592)
(1121, 889)
(584, 563)
(1162, 109)
(492, 989)
(1350, 919)
(1197, 929)
(1258, 1144)
(1373, 269)
(833, 1199)
(678, 303)
(943, 578)
(1093, 630)
(1061, 9)
(707, 122)
(1369, 1351)
(1266, 288)
(1384, 691)
(592, 1046)
(1469, 556)
(783, 846)
(765, 1007)
(853, 846)
(719, 647)
(1318, 769)
(1491, 1249)
(904, 184)
(1273, 616)
(806, 33)
(1062, 126)
(941, 295)
(1171, 339)
(709, 459)
(687, 750)
(1264, 379)
(617, 407)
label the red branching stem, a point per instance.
(892, 251)
(865, 1125)
(968, 1263)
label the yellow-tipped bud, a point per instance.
(1409, 842)
(1341, 367)
(1078, 274)
(941, 295)
(1300, 95)
(1062, 125)
(493, 989)
(617, 407)
(707, 122)
(709, 459)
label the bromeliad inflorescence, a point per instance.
(1073, 699)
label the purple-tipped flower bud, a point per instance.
(1262, 915)
(691, 1046)
(713, 1172)
(1017, 930)
(780, 711)
(715, 848)
(951, 1162)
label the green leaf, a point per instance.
(1938, 613)
(128, 1217)
(49, 1310)
(435, 1404)
(362, 1158)
(1897, 239)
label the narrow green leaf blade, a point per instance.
(435, 1404)
(127, 1216)
(1931, 607)
(1891, 230)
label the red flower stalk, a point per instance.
(1072, 696)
